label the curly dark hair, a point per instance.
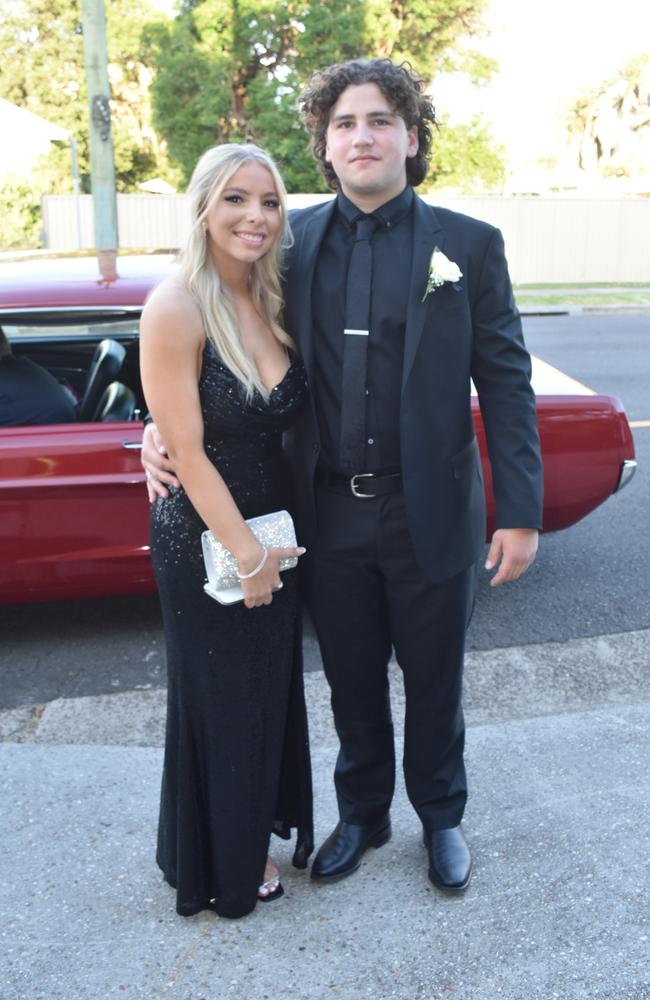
(401, 88)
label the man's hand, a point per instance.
(156, 465)
(515, 549)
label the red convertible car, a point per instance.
(73, 504)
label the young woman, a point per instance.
(222, 384)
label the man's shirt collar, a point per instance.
(387, 215)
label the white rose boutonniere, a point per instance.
(441, 270)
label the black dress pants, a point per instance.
(367, 595)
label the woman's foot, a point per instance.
(271, 887)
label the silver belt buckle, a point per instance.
(355, 486)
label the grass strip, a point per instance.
(576, 299)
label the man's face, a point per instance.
(368, 144)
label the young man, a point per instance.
(387, 466)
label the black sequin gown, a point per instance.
(236, 765)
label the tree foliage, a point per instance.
(42, 70)
(466, 157)
(20, 213)
(221, 70)
(610, 124)
(231, 70)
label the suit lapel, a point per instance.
(427, 234)
(305, 253)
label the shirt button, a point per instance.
(315, 447)
(371, 440)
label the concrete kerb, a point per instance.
(573, 310)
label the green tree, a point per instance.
(466, 157)
(610, 124)
(231, 70)
(42, 70)
(20, 213)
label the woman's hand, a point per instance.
(258, 590)
(156, 464)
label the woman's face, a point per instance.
(245, 221)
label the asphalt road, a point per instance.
(593, 579)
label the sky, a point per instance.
(547, 53)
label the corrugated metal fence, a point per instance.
(547, 239)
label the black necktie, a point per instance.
(355, 349)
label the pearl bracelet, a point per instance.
(260, 566)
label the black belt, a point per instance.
(363, 484)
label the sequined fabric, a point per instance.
(236, 763)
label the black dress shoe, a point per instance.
(341, 853)
(450, 863)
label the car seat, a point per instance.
(117, 403)
(104, 367)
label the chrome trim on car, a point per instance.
(132, 445)
(628, 469)
(62, 310)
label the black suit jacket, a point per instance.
(470, 330)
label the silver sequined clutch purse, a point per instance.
(274, 530)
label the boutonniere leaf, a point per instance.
(441, 270)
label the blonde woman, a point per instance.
(222, 383)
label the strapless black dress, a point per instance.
(236, 764)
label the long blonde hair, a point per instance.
(201, 278)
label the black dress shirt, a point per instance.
(392, 247)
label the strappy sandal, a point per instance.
(270, 890)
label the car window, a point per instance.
(64, 340)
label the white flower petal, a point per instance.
(441, 269)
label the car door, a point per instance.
(73, 512)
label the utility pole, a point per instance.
(75, 188)
(102, 165)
